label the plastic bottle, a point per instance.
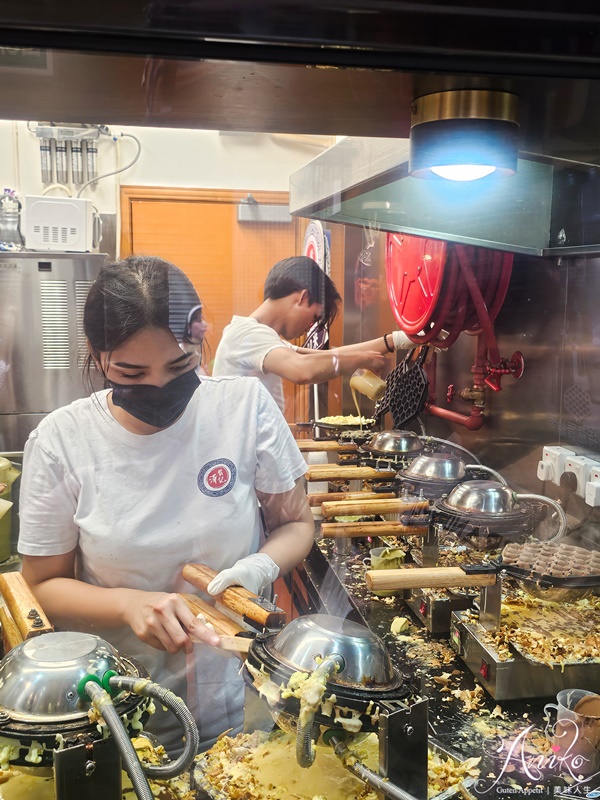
(10, 211)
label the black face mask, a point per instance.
(159, 406)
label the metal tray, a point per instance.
(548, 587)
(548, 581)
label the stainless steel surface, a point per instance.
(108, 244)
(494, 474)
(342, 545)
(435, 612)
(436, 466)
(445, 443)
(512, 215)
(394, 443)
(516, 678)
(403, 746)
(431, 544)
(384, 786)
(490, 606)
(73, 777)
(258, 716)
(42, 344)
(53, 663)
(307, 640)
(482, 497)
(563, 526)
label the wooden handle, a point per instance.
(365, 507)
(317, 499)
(380, 580)
(341, 530)
(331, 472)
(236, 598)
(239, 644)
(220, 622)
(11, 635)
(325, 446)
(22, 603)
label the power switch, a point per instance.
(552, 465)
(581, 467)
(592, 488)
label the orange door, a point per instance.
(226, 261)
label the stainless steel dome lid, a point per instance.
(39, 678)
(395, 443)
(305, 641)
(436, 467)
(482, 497)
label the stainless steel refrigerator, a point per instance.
(42, 345)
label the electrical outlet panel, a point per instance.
(581, 467)
(552, 465)
(592, 488)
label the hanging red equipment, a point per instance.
(437, 290)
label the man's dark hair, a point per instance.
(298, 273)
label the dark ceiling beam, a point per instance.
(561, 39)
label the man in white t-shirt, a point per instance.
(297, 294)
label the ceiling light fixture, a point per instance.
(464, 134)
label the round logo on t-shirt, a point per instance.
(217, 477)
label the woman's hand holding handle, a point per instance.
(254, 573)
(165, 622)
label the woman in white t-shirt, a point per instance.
(162, 468)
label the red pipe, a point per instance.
(478, 369)
(471, 422)
(479, 303)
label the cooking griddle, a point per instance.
(526, 674)
(406, 390)
(517, 677)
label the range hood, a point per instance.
(550, 207)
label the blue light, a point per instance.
(463, 172)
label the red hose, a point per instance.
(474, 285)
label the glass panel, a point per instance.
(475, 301)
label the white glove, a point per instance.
(401, 341)
(253, 573)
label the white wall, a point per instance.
(169, 157)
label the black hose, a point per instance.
(103, 703)
(175, 704)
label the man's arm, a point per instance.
(316, 366)
(397, 340)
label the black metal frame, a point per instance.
(561, 40)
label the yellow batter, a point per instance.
(242, 768)
(16, 785)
